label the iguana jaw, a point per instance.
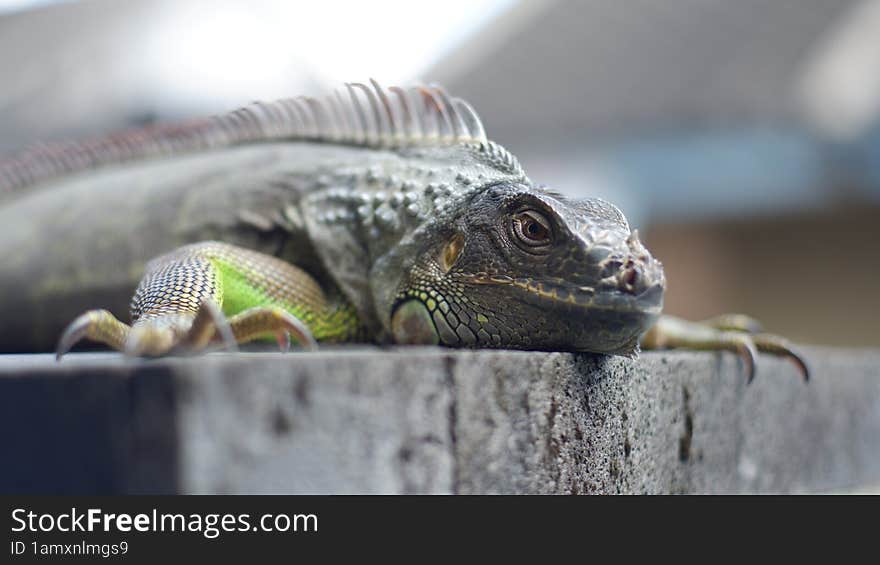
(527, 314)
(559, 292)
(571, 318)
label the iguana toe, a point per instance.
(96, 325)
(262, 320)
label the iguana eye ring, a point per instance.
(532, 229)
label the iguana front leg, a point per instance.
(730, 332)
(185, 297)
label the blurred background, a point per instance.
(741, 138)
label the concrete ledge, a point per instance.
(423, 420)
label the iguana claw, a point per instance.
(775, 345)
(96, 325)
(209, 325)
(260, 320)
(730, 332)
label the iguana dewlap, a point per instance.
(379, 215)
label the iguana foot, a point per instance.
(186, 332)
(183, 301)
(181, 333)
(730, 332)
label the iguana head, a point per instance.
(521, 267)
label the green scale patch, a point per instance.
(238, 291)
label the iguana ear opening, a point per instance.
(451, 252)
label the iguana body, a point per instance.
(382, 216)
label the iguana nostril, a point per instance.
(630, 279)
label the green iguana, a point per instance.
(373, 215)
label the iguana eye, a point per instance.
(532, 229)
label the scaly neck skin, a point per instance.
(370, 221)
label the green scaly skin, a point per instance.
(243, 286)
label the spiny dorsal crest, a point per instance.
(358, 114)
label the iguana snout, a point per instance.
(629, 269)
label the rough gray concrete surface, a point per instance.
(423, 420)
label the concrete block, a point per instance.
(432, 420)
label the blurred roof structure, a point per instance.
(78, 68)
(706, 106)
(640, 65)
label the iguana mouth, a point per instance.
(622, 295)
